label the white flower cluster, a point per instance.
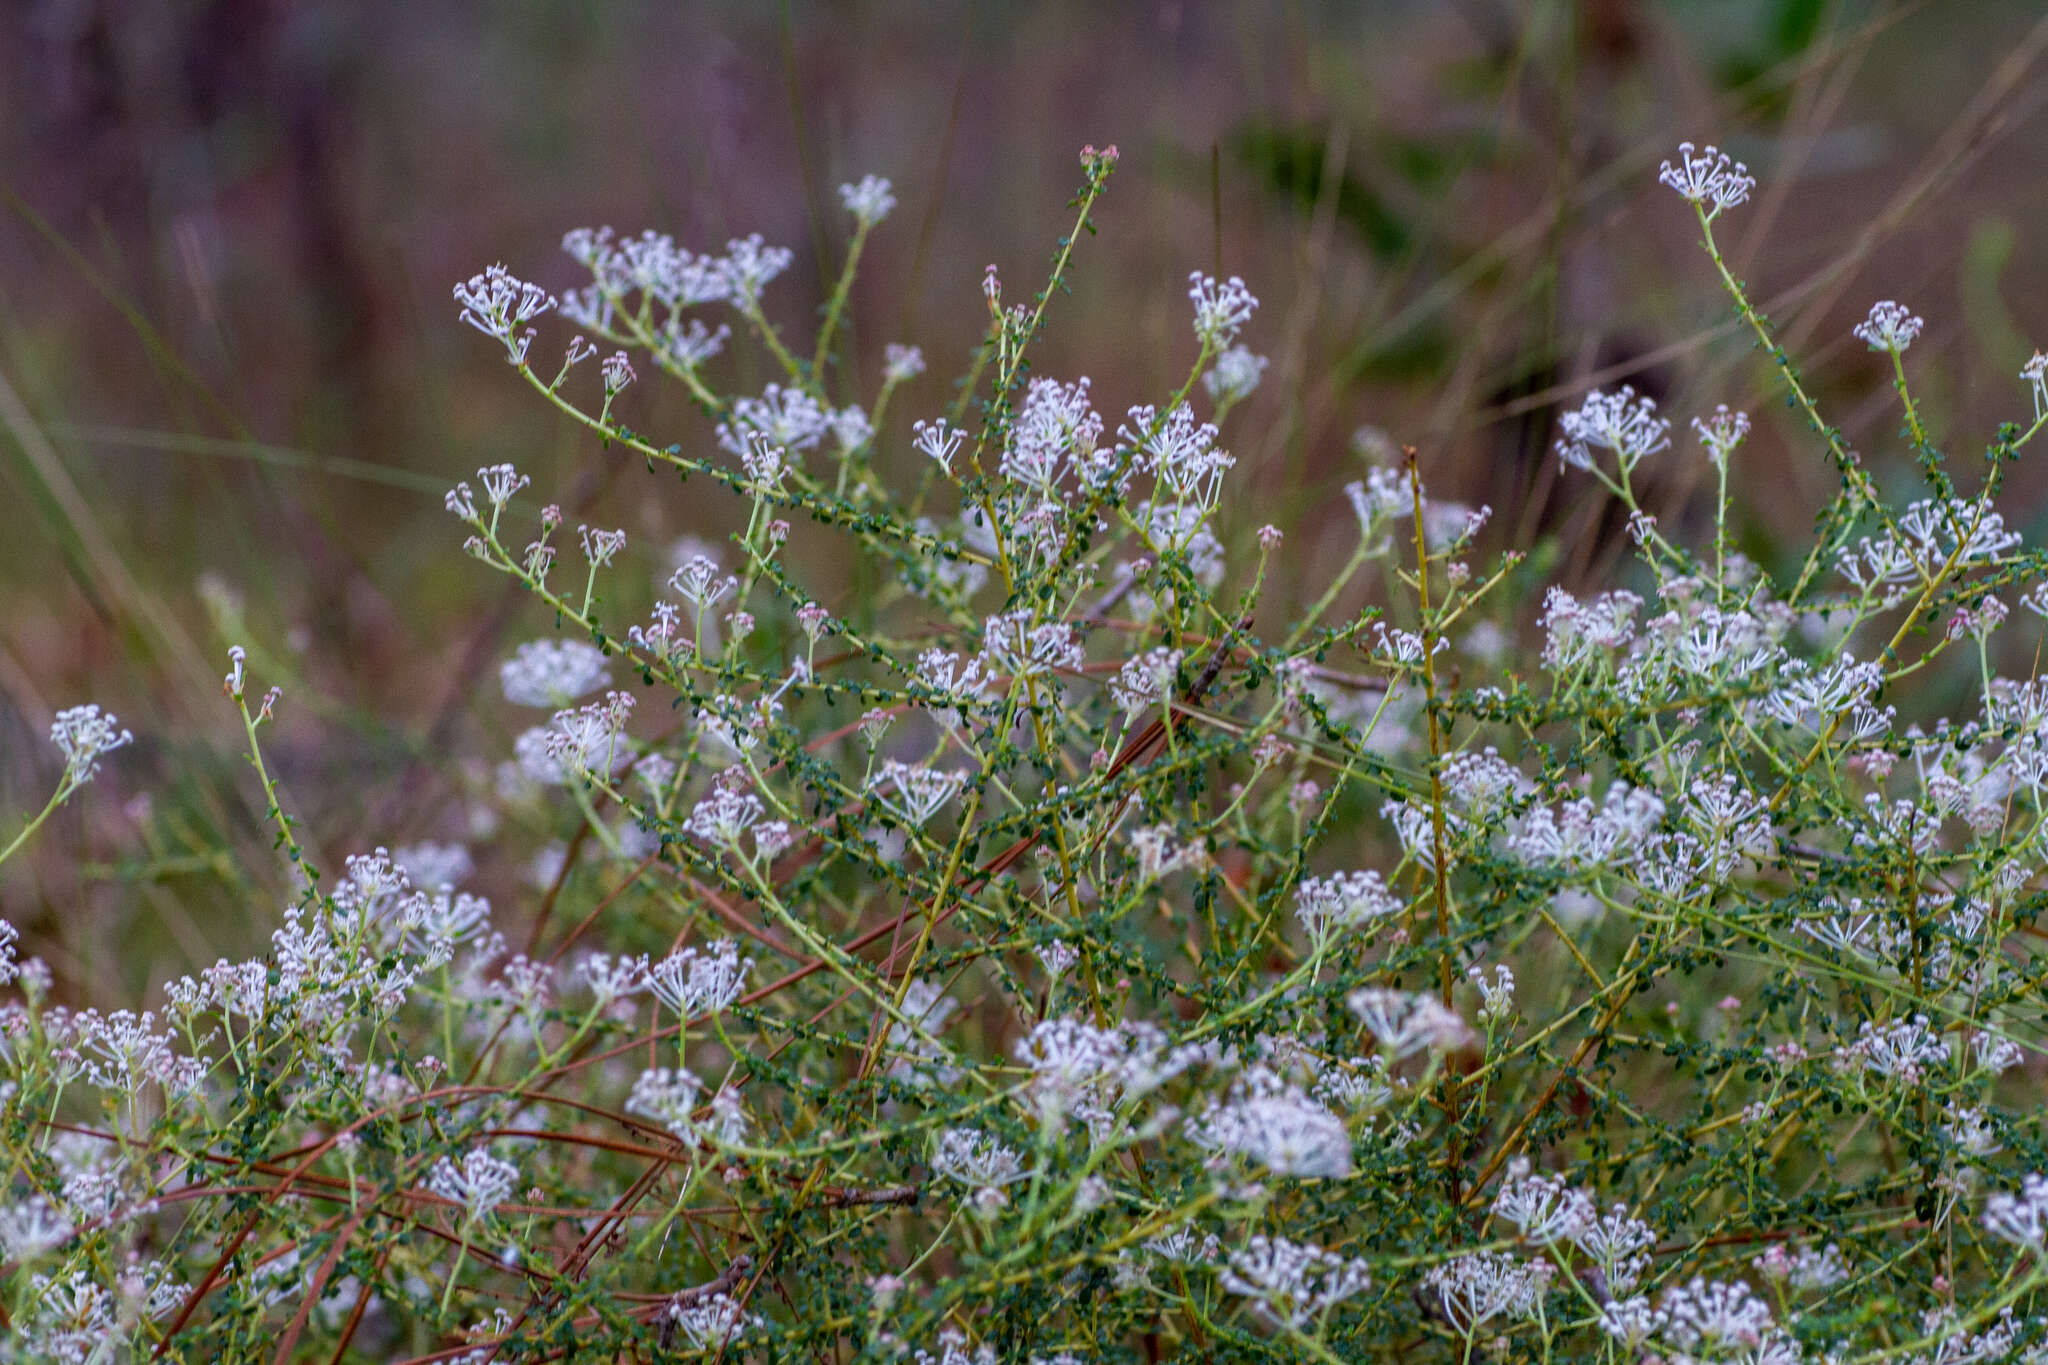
(868, 199)
(1407, 1023)
(698, 982)
(552, 673)
(1221, 308)
(1621, 422)
(1293, 1284)
(479, 1183)
(498, 304)
(1579, 834)
(1270, 1121)
(1326, 906)
(1708, 178)
(670, 1099)
(1890, 327)
(712, 1323)
(652, 265)
(82, 734)
(1095, 1074)
(1146, 680)
(914, 794)
(1475, 1288)
(979, 1161)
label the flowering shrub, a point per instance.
(1055, 949)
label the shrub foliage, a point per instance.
(1038, 941)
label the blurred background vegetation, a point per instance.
(233, 386)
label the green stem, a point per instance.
(65, 787)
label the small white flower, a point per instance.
(1803, 1267)
(500, 482)
(918, 792)
(689, 344)
(721, 817)
(1406, 1023)
(765, 463)
(1711, 1319)
(1545, 1207)
(1721, 433)
(698, 580)
(82, 734)
(610, 978)
(1293, 1283)
(975, 1159)
(618, 372)
(787, 418)
(496, 303)
(2035, 372)
(917, 1055)
(1476, 1288)
(479, 1184)
(1234, 375)
(31, 1227)
(901, 363)
(1497, 996)
(1016, 647)
(1327, 905)
(2021, 1219)
(1057, 957)
(937, 440)
(1708, 177)
(670, 1099)
(749, 265)
(711, 1324)
(1159, 854)
(1220, 308)
(1620, 422)
(1619, 1244)
(1890, 327)
(869, 201)
(552, 673)
(1145, 680)
(851, 428)
(696, 982)
(1278, 1126)
(1632, 1322)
